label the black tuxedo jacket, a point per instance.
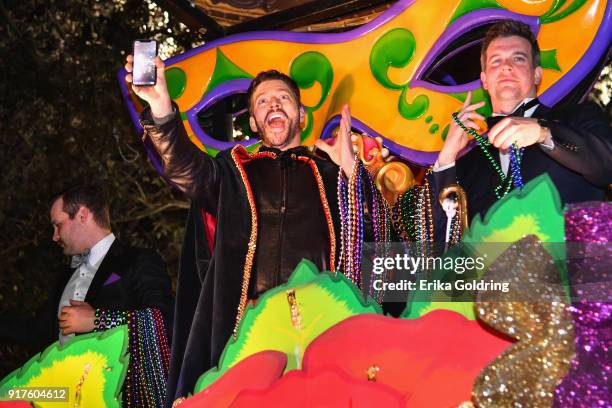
(128, 278)
(580, 165)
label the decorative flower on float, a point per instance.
(515, 349)
(91, 366)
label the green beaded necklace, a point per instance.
(484, 143)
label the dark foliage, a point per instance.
(62, 121)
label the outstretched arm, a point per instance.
(184, 165)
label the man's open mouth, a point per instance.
(276, 120)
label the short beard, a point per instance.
(293, 128)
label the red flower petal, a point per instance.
(323, 387)
(256, 372)
(432, 361)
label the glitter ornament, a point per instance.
(590, 262)
(534, 312)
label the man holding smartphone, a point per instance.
(272, 208)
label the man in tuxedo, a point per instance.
(105, 274)
(574, 147)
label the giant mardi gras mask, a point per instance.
(381, 68)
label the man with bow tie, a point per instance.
(574, 147)
(106, 272)
(108, 284)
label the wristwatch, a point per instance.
(544, 130)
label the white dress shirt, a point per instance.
(78, 285)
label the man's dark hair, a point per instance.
(508, 28)
(86, 195)
(270, 75)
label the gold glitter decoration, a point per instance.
(296, 315)
(534, 312)
(466, 404)
(372, 371)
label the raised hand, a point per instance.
(457, 138)
(341, 152)
(157, 96)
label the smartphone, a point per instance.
(145, 72)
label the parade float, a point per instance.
(319, 339)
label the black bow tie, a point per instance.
(518, 112)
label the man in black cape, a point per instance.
(253, 217)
